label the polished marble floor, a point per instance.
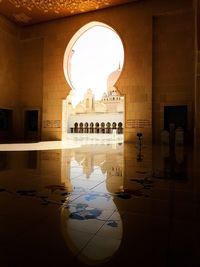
(98, 204)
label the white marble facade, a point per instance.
(98, 116)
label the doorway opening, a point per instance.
(31, 127)
(6, 124)
(93, 63)
(175, 122)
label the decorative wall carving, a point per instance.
(138, 123)
(51, 124)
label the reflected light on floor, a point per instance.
(71, 142)
(46, 145)
(99, 204)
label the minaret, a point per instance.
(89, 100)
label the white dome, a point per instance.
(113, 77)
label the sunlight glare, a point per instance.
(94, 56)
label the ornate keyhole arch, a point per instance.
(92, 61)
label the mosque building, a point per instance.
(98, 116)
(112, 180)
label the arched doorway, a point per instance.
(98, 95)
(76, 127)
(108, 127)
(91, 127)
(102, 127)
(96, 127)
(120, 128)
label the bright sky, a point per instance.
(96, 54)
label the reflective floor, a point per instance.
(99, 204)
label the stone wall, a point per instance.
(43, 85)
(173, 67)
(9, 72)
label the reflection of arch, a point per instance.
(72, 225)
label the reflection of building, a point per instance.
(90, 162)
(105, 166)
(102, 116)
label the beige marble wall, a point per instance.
(9, 70)
(31, 78)
(173, 67)
(42, 81)
(197, 98)
(134, 83)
